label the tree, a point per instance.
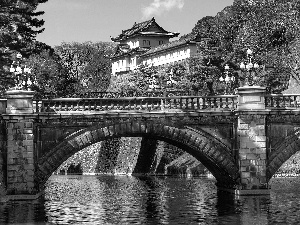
(50, 75)
(269, 28)
(18, 29)
(87, 63)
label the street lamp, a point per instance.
(153, 83)
(171, 81)
(228, 80)
(249, 69)
(22, 74)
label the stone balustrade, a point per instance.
(282, 101)
(137, 103)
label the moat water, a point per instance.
(152, 200)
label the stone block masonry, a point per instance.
(3, 160)
(20, 156)
(252, 151)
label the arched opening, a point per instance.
(214, 156)
(285, 157)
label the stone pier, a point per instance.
(251, 131)
(19, 122)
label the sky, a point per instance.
(98, 20)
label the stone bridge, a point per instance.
(241, 139)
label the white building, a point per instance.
(149, 44)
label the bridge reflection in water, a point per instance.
(152, 200)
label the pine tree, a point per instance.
(18, 29)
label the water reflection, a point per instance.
(152, 200)
(18, 212)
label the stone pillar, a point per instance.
(251, 98)
(147, 158)
(251, 131)
(19, 101)
(19, 120)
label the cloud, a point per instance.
(157, 7)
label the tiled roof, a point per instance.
(138, 28)
(124, 50)
(169, 45)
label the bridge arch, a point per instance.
(213, 154)
(283, 152)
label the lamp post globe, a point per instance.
(21, 73)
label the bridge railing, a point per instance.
(112, 94)
(226, 102)
(282, 101)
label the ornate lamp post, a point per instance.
(22, 74)
(251, 94)
(171, 81)
(20, 97)
(228, 80)
(249, 69)
(153, 83)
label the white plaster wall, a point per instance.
(176, 55)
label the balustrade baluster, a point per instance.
(118, 105)
(146, 106)
(167, 103)
(59, 108)
(134, 104)
(215, 103)
(106, 105)
(129, 105)
(181, 102)
(47, 106)
(277, 102)
(288, 101)
(123, 104)
(198, 103)
(171, 103)
(112, 104)
(184, 103)
(95, 104)
(226, 103)
(100, 105)
(209, 102)
(193, 103)
(141, 104)
(204, 101)
(232, 105)
(44, 107)
(219, 103)
(175, 102)
(89, 101)
(54, 105)
(72, 106)
(77, 106)
(82, 105)
(272, 102)
(37, 106)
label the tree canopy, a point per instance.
(19, 26)
(72, 68)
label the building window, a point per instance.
(146, 42)
(160, 42)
